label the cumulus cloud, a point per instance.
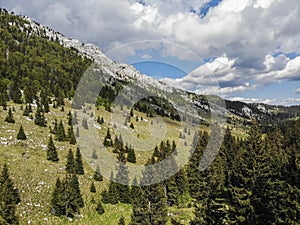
(247, 38)
(297, 91)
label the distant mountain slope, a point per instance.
(36, 58)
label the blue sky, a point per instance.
(245, 50)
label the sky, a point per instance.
(247, 50)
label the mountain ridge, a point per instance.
(126, 72)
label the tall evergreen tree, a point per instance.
(21, 134)
(70, 165)
(131, 156)
(78, 162)
(100, 210)
(9, 198)
(72, 136)
(149, 203)
(10, 117)
(93, 188)
(40, 119)
(97, 175)
(61, 135)
(51, 151)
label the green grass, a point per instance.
(35, 176)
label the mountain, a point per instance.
(29, 30)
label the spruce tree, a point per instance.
(10, 117)
(78, 162)
(9, 198)
(107, 140)
(100, 210)
(149, 202)
(61, 135)
(97, 175)
(57, 204)
(72, 136)
(85, 124)
(93, 188)
(40, 119)
(131, 156)
(51, 151)
(70, 166)
(21, 134)
(26, 111)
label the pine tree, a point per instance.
(51, 151)
(10, 117)
(72, 136)
(78, 162)
(26, 111)
(107, 140)
(111, 195)
(9, 198)
(131, 156)
(66, 197)
(122, 178)
(21, 134)
(70, 166)
(97, 175)
(70, 119)
(149, 202)
(40, 119)
(55, 129)
(85, 124)
(61, 135)
(57, 204)
(100, 210)
(93, 188)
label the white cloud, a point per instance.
(297, 91)
(146, 56)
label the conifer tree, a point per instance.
(93, 188)
(70, 119)
(149, 203)
(72, 136)
(66, 197)
(100, 210)
(70, 166)
(51, 151)
(21, 134)
(55, 129)
(57, 204)
(122, 178)
(85, 124)
(78, 162)
(131, 156)
(26, 111)
(40, 119)
(9, 198)
(97, 175)
(111, 195)
(61, 135)
(107, 140)
(10, 117)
